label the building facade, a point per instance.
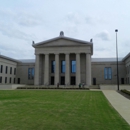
(65, 61)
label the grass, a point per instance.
(58, 110)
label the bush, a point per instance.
(125, 91)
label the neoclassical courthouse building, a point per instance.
(66, 61)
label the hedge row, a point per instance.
(125, 91)
(48, 88)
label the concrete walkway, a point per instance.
(120, 103)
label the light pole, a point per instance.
(117, 61)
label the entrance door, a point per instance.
(62, 80)
(52, 80)
(122, 80)
(18, 80)
(94, 81)
(72, 80)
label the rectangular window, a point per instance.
(6, 69)
(62, 66)
(0, 79)
(14, 80)
(30, 73)
(10, 80)
(73, 66)
(108, 73)
(1, 68)
(14, 71)
(5, 79)
(53, 66)
(10, 70)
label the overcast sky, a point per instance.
(24, 21)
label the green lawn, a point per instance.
(58, 110)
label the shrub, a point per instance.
(125, 91)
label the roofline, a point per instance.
(62, 37)
(8, 58)
(126, 57)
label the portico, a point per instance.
(63, 60)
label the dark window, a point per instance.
(53, 66)
(5, 79)
(107, 73)
(1, 68)
(62, 66)
(10, 70)
(0, 79)
(30, 73)
(14, 80)
(73, 66)
(10, 80)
(6, 69)
(14, 71)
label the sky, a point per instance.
(24, 21)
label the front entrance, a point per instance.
(72, 80)
(62, 80)
(52, 80)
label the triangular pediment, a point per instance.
(61, 41)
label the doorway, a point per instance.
(52, 80)
(18, 80)
(72, 80)
(62, 80)
(122, 80)
(94, 81)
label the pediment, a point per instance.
(61, 41)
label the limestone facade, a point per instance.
(87, 70)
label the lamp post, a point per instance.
(117, 61)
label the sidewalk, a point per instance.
(120, 103)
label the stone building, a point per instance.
(66, 61)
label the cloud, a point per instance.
(15, 33)
(104, 35)
(20, 18)
(28, 20)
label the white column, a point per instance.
(67, 69)
(56, 69)
(78, 77)
(37, 72)
(46, 70)
(88, 69)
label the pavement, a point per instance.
(119, 102)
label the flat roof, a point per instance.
(8, 58)
(105, 59)
(27, 60)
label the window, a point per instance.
(14, 71)
(108, 73)
(6, 69)
(53, 66)
(73, 66)
(30, 73)
(10, 80)
(62, 66)
(5, 79)
(1, 68)
(0, 79)
(10, 70)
